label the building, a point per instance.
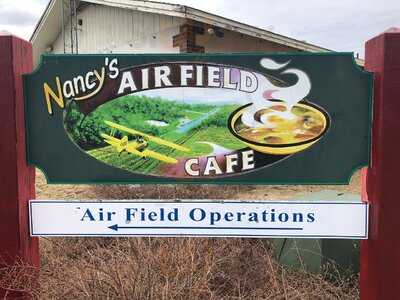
(131, 26)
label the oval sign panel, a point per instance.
(193, 120)
(185, 117)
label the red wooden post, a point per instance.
(380, 254)
(17, 180)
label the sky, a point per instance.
(340, 25)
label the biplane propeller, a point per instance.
(139, 145)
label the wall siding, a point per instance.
(108, 29)
(115, 30)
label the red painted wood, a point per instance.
(17, 180)
(380, 254)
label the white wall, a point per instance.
(115, 30)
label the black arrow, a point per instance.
(116, 227)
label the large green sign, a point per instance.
(218, 118)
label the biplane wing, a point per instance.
(132, 149)
(152, 154)
(147, 136)
(119, 144)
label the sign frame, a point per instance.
(263, 175)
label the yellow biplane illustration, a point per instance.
(138, 145)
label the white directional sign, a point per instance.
(198, 218)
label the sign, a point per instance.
(199, 218)
(215, 118)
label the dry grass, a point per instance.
(174, 268)
(168, 268)
(18, 280)
(45, 191)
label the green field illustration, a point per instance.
(200, 128)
